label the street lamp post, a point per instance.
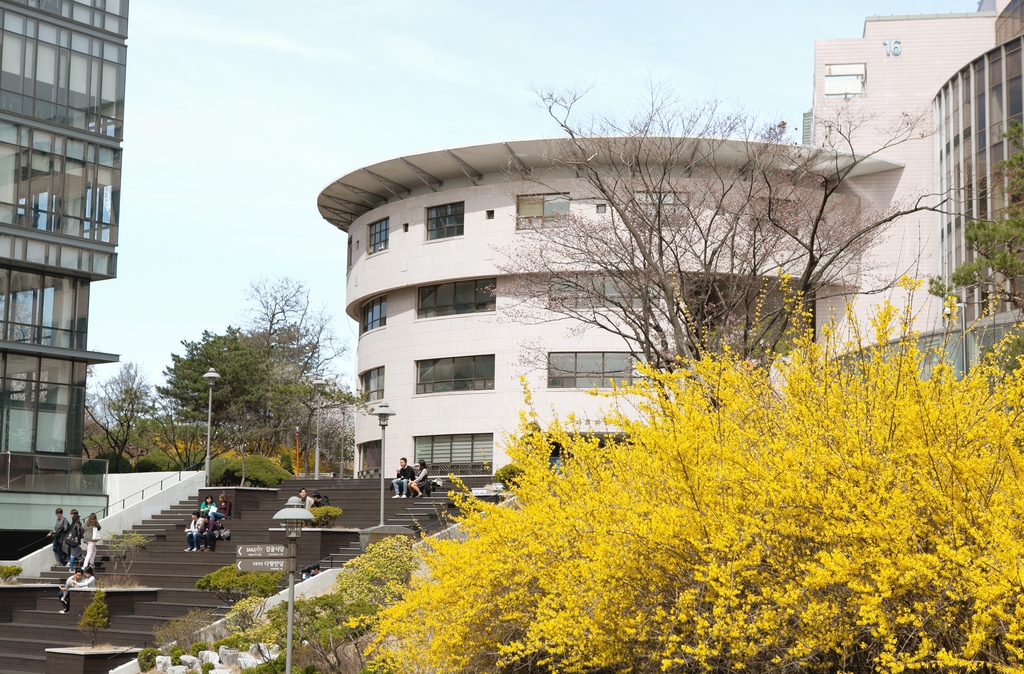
(211, 377)
(962, 309)
(293, 516)
(382, 412)
(319, 384)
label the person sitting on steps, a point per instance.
(402, 479)
(64, 595)
(419, 485)
(192, 533)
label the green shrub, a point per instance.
(94, 467)
(147, 658)
(96, 617)
(259, 472)
(122, 466)
(230, 585)
(196, 647)
(154, 462)
(508, 474)
(233, 641)
(217, 466)
(207, 667)
(9, 573)
(176, 652)
(324, 516)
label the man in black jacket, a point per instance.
(401, 482)
(60, 529)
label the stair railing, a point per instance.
(142, 492)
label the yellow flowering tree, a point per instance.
(834, 513)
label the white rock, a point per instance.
(191, 662)
(247, 661)
(209, 656)
(261, 651)
(177, 669)
(163, 663)
(275, 651)
(228, 656)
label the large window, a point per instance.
(378, 236)
(441, 451)
(540, 210)
(42, 405)
(443, 375)
(372, 383)
(57, 184)
(461, 297)
(588, 369)
(375, 313)
(46, 310)
(846, 80)
(445, 221)
(64, 77)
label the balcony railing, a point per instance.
(52, 474)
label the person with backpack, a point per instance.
(208, 533)
(60, 528)
(73, 540)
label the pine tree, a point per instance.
(95, 617)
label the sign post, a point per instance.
(264, 565)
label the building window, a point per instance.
(440, 451)
(602, 208)
(847, 80)
(445, 221)
(443, 375)
(378, 239)
(369, 458)
(372, 383)
(462, 297)
(489, 215)
(540, 210)
(588, 369)
(43, 400)
(375, 313)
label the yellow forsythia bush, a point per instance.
(834, 513)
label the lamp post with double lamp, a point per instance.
(319, 384)
(293, 516)
(383, 412)
(211, 378)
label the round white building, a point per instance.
(426, 235)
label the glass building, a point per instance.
(62, 80)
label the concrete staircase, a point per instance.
(168, 575)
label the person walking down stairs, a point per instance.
(90, 536)
(73, 540)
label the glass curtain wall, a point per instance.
(972, 112)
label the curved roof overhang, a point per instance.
(358, 192)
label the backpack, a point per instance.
(74, 537)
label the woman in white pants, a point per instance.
(89, 537)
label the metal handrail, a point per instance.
(106, 511)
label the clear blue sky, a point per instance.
(238, 113)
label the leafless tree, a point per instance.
(707, 231)
(116, 413)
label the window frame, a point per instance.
(490, 304)
(451, 384)
(545, 219)
(366, 319)
(378, 236)
(457, 226)
(486, 446)
(574, 376)
(365, 378)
